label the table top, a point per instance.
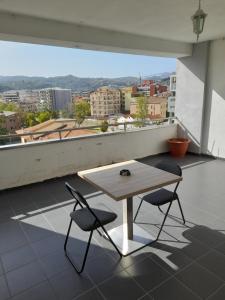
(143, 178)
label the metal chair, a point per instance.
(164, 196)
(88, 219)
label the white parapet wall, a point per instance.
(28, 163)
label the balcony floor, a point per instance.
(188, 262)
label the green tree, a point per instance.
(43, 116)
(142, 108)
(3, 130)
(82, 109)
(29, 119)
(8, 106)
(104, 126)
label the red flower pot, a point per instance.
(178, 146)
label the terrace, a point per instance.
(187, 262)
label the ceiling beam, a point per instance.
(27, 29)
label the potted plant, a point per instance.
(178, 146)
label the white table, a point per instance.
(129, 237)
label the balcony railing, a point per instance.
(113, 128)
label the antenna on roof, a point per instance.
(140, 78)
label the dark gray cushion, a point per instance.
(86, 221)
(160, 197)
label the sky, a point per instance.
(39, 60)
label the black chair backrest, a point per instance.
(170, 167)
(76, 195)
(81, 201)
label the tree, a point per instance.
(104, 126)
(82, 109)
(29, 119)
(142, 108)
(8, 106)
(43, 116)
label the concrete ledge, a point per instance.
(34, 162)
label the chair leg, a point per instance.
(138, 210)
(182, 214)
(160, 209)
(109, 238)
(166, 214)
(86, 251)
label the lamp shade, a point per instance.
(198, 20)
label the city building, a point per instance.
(126, 98)
(105, 101)
(52, 125)
(10, 121)
(157, 107)
(11, 96)
(172, 97)
(173, 83)
(29, 106)
(151, 88)
(29, 96)
(55, 99)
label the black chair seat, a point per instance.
(160, 197)
(87, 222)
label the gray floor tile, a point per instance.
(102, 267)
(194, 249)
(148, 273)
(146, 297)
(218, 295)
(198, 279)
(4, 292)
(55, 263)
(172, 262)
(172, 289)
(93, 294)
(214, 262)
(68, 284)
(125, 288)
(11, 236)
(42, 291)
(17, 258)
(36, 228)
(221, 248)
(1, 268)
(206, 235)
(46, 246)
(25, 277)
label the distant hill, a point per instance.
(71, 82)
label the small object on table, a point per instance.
(125, 172)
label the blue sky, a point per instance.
(38, 60)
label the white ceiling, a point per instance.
(166, 19)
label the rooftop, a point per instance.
(188, 262)
(7, 113)
(53, 124)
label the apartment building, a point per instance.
(157, 107)
(172, 97)
(11, 96)
(55, 99)
(150, 88)
(10, 121)
(105, 101)
(126, 98)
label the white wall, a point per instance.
(200, 101)
(24, 164)
(214, 125)
(190, 94)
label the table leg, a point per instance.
(129, 237)
(128, 218)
